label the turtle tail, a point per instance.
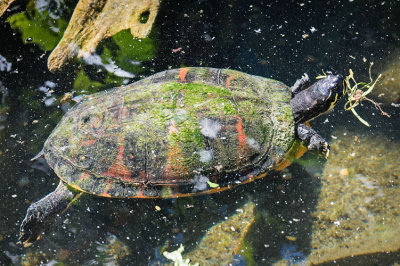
(41, 214)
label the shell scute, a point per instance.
(171, 133)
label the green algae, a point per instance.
(160, 126)
(84, 85)
(192, 96)
(38, 27)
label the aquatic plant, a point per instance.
(358, 91)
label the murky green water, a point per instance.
(281, 40)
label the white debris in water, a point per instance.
(50, 84)
(50, 101)
(47, 89)
(205, 156)
(253, 143)
(13, 195)
(48, 6)
(94, 59)
(4, 64)
(210, 128)
(312, 29)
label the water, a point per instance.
(299, 213)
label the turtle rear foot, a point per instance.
(43, 213)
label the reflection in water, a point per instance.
(94, 59)
(289, 253)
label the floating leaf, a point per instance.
(212, 185)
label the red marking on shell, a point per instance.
(123, 113)
(143, 175)
(172, 128)
(229, 79)
(88, 142)
(241, 134)
(182, 73)
(118, 169)
(84, 175)
(140, 193)
(174, 166)
(105, 192)
(96, 121)
(242, 145)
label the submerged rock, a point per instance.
(113, 251)
(224, 240)
(4, 5)
(357, 213)
(94, 20)
(387, 89)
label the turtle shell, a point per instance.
(177, 133)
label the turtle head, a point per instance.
(317, 99)
(331, 89)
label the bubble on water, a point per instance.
(210, 128)
(200, 183)
(50, 101)
(253, 143)
(205, 156)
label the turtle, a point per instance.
(180, 132)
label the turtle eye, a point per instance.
(332, 88)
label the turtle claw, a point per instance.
(41, 214)
(325, 149)
(32, 226)
(313, 141)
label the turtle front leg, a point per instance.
(43, 213)
(300, 84)
(312, 140)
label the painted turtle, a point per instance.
(180, 132)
